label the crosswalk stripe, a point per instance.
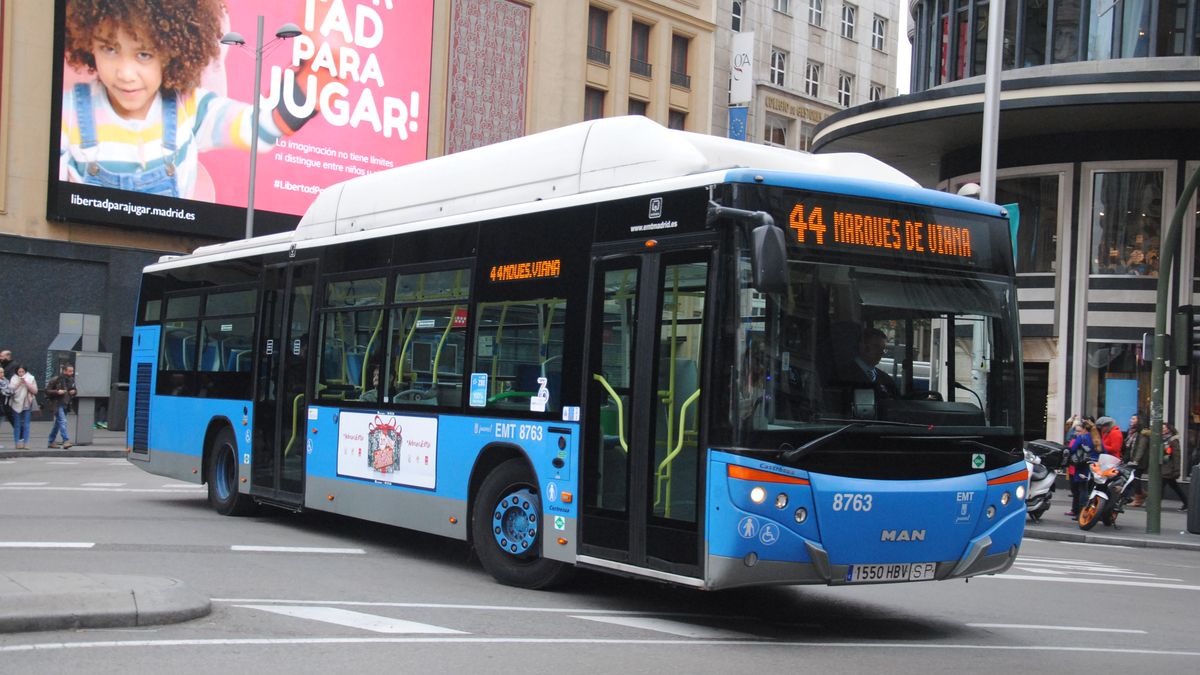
(679, 628)
(344, 617)
(20, 484)
(101, 484)
(46, 544)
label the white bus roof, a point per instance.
(590, 156)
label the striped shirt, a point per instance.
(205, 121)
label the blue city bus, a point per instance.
(611, 346)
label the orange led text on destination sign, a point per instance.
(522, 271)
(859, 230)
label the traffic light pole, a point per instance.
(1167, 255)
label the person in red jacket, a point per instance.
(1110, 436)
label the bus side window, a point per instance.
(519, 345)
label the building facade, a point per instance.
(1099, 133)
(810, 59)
(498, 69)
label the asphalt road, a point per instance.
(316, 593)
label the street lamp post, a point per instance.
(287, 30)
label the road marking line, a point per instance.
(678, 628)
(48, 488)
(1104, 582)
(295, 549)
(102, 484)
(46, 544)
(344, 617)
(184, 486)
(888, 646)
(18, 484)
(1070, 628)
(496, 608)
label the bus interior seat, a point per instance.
(449, 394)
(331, 362)
(354, 364)
(173, 350)
(210, 356)
(187, 351)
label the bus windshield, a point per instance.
(855, 344)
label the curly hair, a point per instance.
(186, 32)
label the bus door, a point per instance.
(281, 386)
(642, 463)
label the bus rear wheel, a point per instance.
(222, 476)
(506, 529)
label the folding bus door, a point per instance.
(642, 464)
(281, 386)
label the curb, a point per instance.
(38, 601)
(72, 452)
(1109, 540)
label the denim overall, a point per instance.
(159, 180)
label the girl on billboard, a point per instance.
(141, 124)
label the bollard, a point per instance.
(1193, 514)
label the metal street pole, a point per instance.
(1158, 371)
(258, 54)
(991, 101)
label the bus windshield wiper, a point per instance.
(977, 442)
(793, 454)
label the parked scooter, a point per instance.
(1042, 458)
(1110, 483)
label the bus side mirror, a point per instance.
(768, 257)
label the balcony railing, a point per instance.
(639, 68)
(597, 55)
(681, 80)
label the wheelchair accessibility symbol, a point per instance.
(769, 534)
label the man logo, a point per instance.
(656, 207)
(902, 535)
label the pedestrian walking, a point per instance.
(60, 391)
(1136, 450)
(1171, 463)
(24, 401)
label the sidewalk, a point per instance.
(104, 443)
(1130, 529)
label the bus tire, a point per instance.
(506, 529)
(222, 477)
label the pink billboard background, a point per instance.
(372, 58)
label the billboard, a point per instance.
(156, 119)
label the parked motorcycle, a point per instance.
(1042, 458)
(1110, 482)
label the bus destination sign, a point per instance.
(818, 226)
(526, 271)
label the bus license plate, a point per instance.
(893, 572)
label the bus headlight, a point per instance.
(1021, 493)
(758, 495)
(1004, 498)
(781, 501)
(801, 514)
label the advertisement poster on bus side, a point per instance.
(346, 97)
(395, 449)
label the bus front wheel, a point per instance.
(222, 477)
(506, 529)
